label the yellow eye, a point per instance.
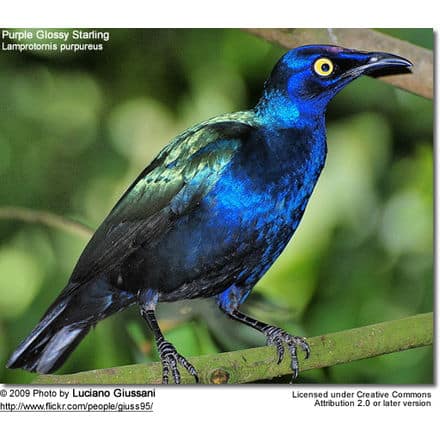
(323, 67)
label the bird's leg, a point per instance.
(229, 302)
(169, 356)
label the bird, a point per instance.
(210, 214)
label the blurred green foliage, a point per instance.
(77, 128)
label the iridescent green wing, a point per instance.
(169, 187)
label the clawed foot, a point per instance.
(276, 336)
(170, 359)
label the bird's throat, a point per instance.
(275, 109)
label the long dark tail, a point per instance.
(51, 341)
(64, 325)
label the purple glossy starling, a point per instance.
(210, 215)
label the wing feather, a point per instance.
(171, 186)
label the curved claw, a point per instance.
(170, 358)
(276, 336)
(305, 347)
(189, 367)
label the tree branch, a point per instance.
(260, 363)
(45, 218)
(419, 82)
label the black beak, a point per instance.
(383, 64)
(377, 64)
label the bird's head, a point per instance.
(305, 79)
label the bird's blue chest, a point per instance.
(270, 180)
(258, 202)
